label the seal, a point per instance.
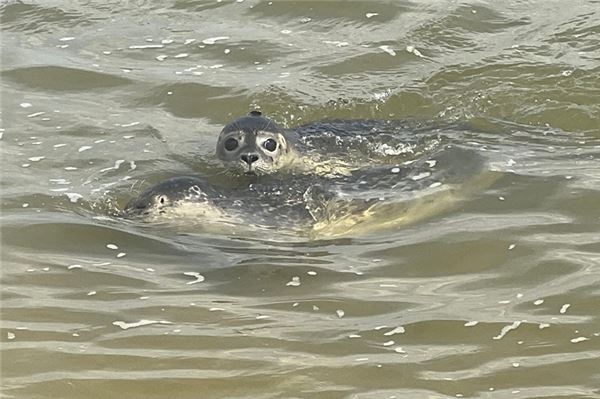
(255, 145)
(171, 193)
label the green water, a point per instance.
(495, 297)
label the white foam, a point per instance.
(337, 43)
(198, 276)
(213, 40)
(397, 330)
(130, 124)
(564, 308)
(506, 329)
(294, 283)
(74, 197)
(413, 50)
(579, 339)
(146, 46)
(388, 50)
(118, 163)
(143, 322)
(421, 176)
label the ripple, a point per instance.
(63, 78)
(33, 18)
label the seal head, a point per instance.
(171, 193)
(254, 145)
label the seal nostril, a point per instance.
(249, 158)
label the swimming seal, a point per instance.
(170, 193)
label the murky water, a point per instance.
(495, 296)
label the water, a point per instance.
(496, 296)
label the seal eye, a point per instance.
(270, 145)
(231, 144)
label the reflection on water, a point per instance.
(494, 296)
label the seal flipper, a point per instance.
(170, 193)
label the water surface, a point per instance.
(497, 296)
